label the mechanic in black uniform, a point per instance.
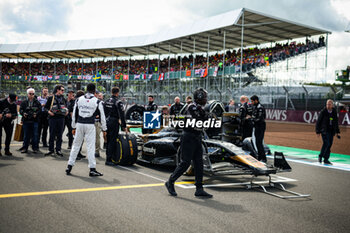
(8, 112)
(176, 107)
(115, 117)
(191, 147)
(245, 113)
(151, 107)
(258, 118)
(68, 118)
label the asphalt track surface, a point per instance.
(37, 196)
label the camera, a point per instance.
(61, 111)
(30, 114)
(6, 111)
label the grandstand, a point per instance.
(174, 62)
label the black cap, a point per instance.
(13, 97)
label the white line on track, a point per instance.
(141, 173)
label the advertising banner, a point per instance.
(309, 117)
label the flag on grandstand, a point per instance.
(6, 77)
(57, 77)
(197, 72)
(79, 77)
(97, 78)
(161, 77)
(144, 76)
(168, 75)
(45, 78)
(136, 77)
(27, 78)
(49, 77)
(150, 76)
(204, 73)
(215, 71)
(125, 77)
(188, 73)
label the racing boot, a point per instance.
(171, 188)
(69, 169)
(93, 172)
(201, 193)
(327, 162)
(8, 153)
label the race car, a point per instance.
(219, 157)
(224, 151)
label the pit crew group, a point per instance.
(87, 115)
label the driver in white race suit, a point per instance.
(83, 124)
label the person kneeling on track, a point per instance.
(191, 147)
(83, 124)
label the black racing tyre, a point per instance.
(135, 113)
(127, 151)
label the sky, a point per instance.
(24, 21)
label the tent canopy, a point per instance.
(259, 28)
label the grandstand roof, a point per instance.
(259, 28)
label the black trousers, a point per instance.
(56, 131)
(259, 131)
(43, 127)
(191, 150)
(246, 129)
(8, 128)
(327, 139)
(68, 123)
(112, 135)
(30, 135)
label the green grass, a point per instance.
(309, 154)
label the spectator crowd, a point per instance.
(252, 58)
